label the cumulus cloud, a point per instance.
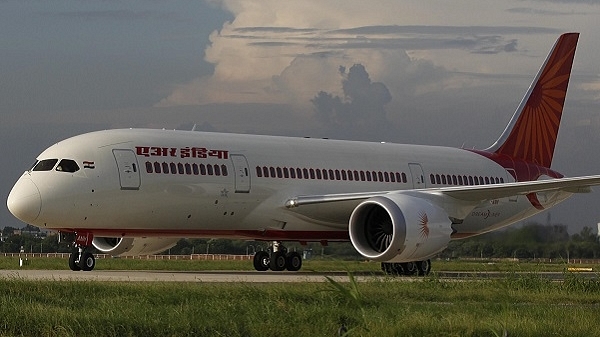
(361, 108)
(281, 53)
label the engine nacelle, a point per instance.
(133, 246)
(399, 228)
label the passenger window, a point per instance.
(45, 165)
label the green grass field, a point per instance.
(515, 305)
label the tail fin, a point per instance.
(532, 131)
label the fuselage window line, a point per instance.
(186, 169)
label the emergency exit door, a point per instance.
(418, 178)
(129, 172)
(242, 173)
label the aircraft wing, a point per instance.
(337, 208)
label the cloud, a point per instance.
(593, 88)
(120, 15)
(537, 11)
(361, 108)
(586, 2)
(276, 53)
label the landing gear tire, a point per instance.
(410, 268)
(392, 269)
(387, 269)
(261, 261)
(293, 261)
(277, 258)
(87, 261)
(424, 267)
(73, 261)
(278, 261)
(420, 268)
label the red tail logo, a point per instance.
(532, 132)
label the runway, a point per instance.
(247, 276)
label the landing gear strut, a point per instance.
(80, 258)
(420, 268)
(277, 258)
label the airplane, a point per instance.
(138, 191)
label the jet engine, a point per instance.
(133, 246)
(399, 228)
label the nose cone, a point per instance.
(24, 200)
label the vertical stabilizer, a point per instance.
(532, 131)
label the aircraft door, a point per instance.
(418, 178)
(242, 173)
(129, 172)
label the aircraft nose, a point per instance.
(24, 200)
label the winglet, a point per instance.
(532, 131)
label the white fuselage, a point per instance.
(196, 184)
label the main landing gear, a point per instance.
(277, 258)
(80, 258)
(420, 268)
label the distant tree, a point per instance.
(8, 231)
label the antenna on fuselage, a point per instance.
(194, 127)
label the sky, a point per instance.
(429, 72)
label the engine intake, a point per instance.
(399, 228)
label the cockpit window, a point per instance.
(67, 165)
(45, 165)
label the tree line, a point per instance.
(530, 241)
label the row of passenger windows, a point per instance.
(329, 174)
(294, 173)
(447, 179)
(187, 168)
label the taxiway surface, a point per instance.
(241, 276)
(175, 276)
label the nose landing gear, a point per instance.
(80, 258)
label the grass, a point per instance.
(517, 306)
(513, 305)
